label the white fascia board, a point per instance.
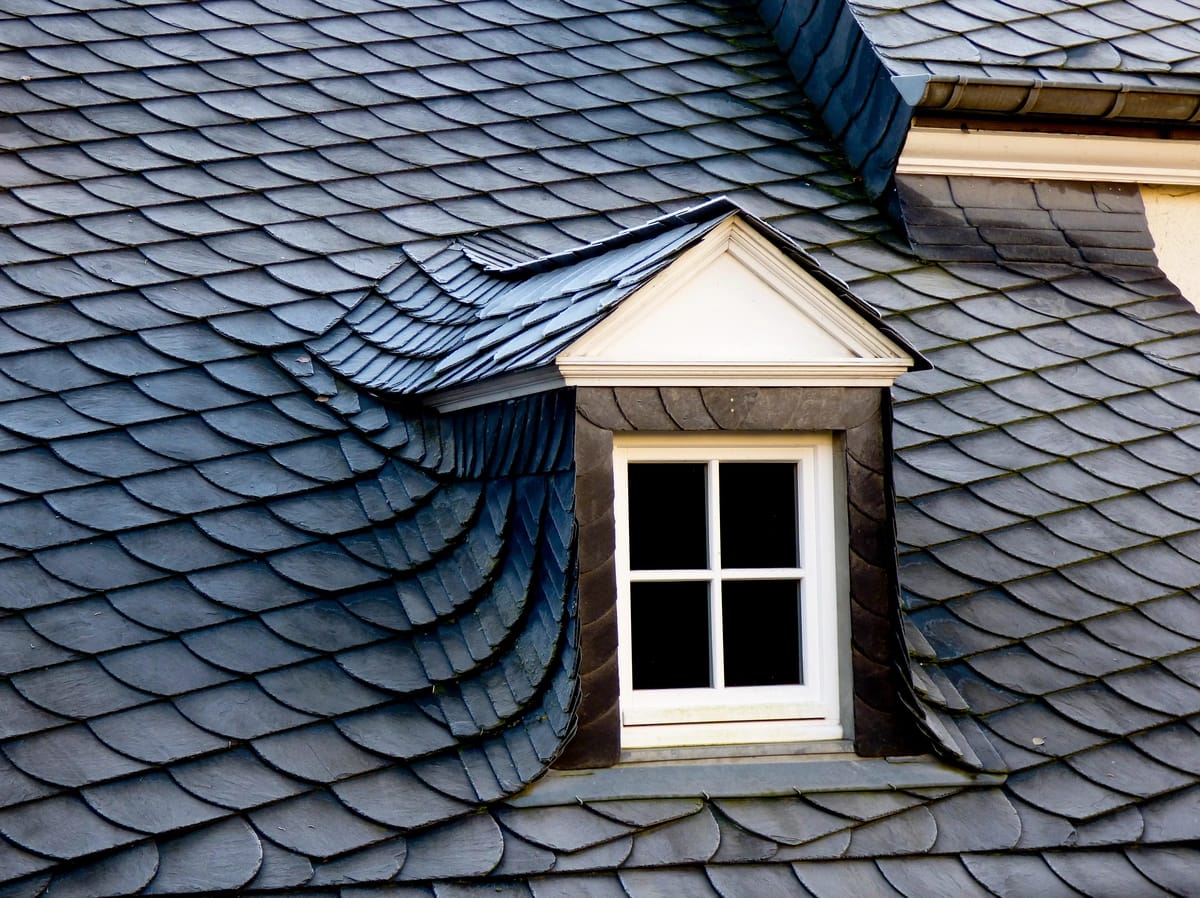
(496, 389)
(837, 372)
(867, 373)
(1070, 157)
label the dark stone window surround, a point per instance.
(861, 417)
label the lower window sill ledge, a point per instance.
(730, 776)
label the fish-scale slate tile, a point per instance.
(1112, 43)
(62, 827)
(72, 756)
(152, 803)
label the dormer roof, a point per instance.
(709, 295)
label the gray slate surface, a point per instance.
(263, 630)
(1135, 42)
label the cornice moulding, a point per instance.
(1070, 157)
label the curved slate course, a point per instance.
(268, 627)
(1118, 42)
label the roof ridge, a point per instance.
(720, 205)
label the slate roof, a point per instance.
(493, 321)
(1128, 42)
(263, 629)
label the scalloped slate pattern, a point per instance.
(1111, 42)
(295, 596)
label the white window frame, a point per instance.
(727, 715)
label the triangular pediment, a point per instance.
(734, 308)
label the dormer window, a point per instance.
(727, 598)
(737, 579)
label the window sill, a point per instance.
(833, 749)
(741, 777)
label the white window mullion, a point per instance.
(669, 576)
(763, 573)
(714, 590)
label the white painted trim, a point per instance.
(849, 373)
(741, 242)
(1075, 157)
(496, 389)
(733, 715)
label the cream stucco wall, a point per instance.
(1173, 214)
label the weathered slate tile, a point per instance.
(252, 586)
(179, 547)
(912, 831)
(769, 881)
(1120, 827)
(564, 829)
(1169, 868)
(180, 491)
(79, 689)
(234, 779)
(691, 839)
(1103, 871)
(1055, 787)
(281, 869)
(239, 711)
(183, 439)
(464, 848)
(1171, 817)
(222, 855)
(125, 872)
(316, 825)
(319, 687)
(156, 734)
(975, 820)
(654, 883)
(931, 876)
(399, 732)
(19, 788)
(69, 756)
(168, 606)
(244, 646)
(376, 863)
(149, 802)
(164, 668)
(789, 821)
(643, 813)
(843, 880)
(1013, 875)
(324, 626)
(62, 827)
(398, 799)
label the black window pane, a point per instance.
(761, 627)
(667, 517)
(670, 635)
(758, 514)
